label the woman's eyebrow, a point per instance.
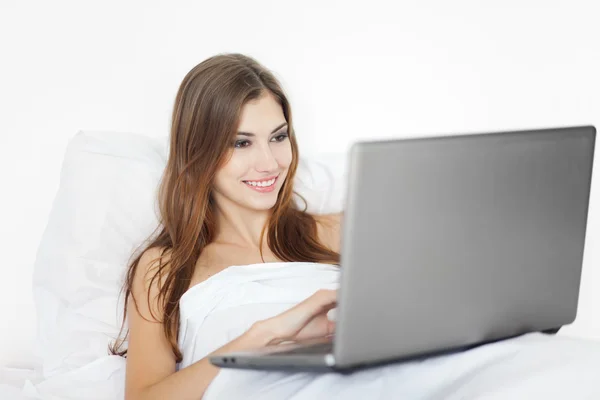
(252, 134)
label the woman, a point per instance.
(227, 185)
(210, 283)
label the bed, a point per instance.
(105, 208)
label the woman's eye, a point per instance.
(281, 137)
(241, 144)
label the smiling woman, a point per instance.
(228, 185)
(260, 161)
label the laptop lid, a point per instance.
(455, 240)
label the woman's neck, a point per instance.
(241, 227)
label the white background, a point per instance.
(352, 70)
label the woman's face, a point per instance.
(261, 156)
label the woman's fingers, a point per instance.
(318, 327)
(302, 317)
(320, 302)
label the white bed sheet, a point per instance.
(102, 379)
(532, 366)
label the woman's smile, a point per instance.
(262, 186)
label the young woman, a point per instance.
(237, 265)
(226, 199)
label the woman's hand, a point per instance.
(306, 320)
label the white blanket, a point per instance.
(533, 366)
(224, 306)
(102, 379)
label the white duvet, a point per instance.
(533, 366)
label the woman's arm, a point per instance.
(191, 382)
(151, 367)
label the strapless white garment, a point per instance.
(224, 306)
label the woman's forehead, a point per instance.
(261, 116)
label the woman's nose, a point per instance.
(266, 160)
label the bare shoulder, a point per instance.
(144, 313)
(329, 219)
(143, 284)
(151, 257)
(329, 229)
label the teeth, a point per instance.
(261, 184)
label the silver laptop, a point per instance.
(450, 242)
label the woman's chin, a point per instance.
(258, 201)
(263, 204)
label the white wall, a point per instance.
(353, 70)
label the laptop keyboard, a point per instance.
(318, 348)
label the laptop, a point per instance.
(450, 242)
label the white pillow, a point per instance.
(104, 208)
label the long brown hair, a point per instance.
(205, 118)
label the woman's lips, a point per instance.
(263, 189)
